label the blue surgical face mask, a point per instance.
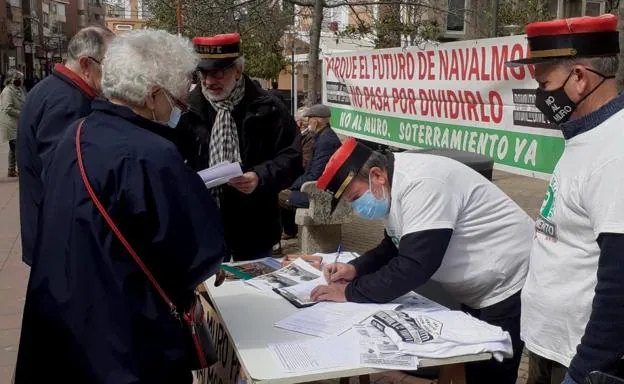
(174, 115)
(369, 207)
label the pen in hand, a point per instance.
(335, 266)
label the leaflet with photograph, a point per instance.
(246, 270)
(295, 273)
(441, 334)
(377, 350)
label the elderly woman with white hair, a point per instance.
(127, 231)
(11, 103)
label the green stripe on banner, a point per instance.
(525, 151)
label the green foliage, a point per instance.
(520, 13)
(261, 24)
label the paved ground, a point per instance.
(13, 273)
(358, 236)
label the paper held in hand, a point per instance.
(220, 173)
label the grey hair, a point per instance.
(376, 159)
(138, 61)
(606, 66)
(89, 41)
(239, 63)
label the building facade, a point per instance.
(34, 33)
(125, 15)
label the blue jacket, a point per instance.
(91, 315)
(50, 107)
(325, 144)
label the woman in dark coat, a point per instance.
(91, 314)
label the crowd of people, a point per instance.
(119, 229)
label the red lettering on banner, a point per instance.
(484, 75)
(517, 53)
(499, 69)
(411, 66)
(472, 105)
(422, 66)
(444, 65)
(402, 63)
(454, 105)
(531, 69)
(424, 106)
(496, 103)
(454, 65)
(430, 55)
(474, 65)
(484, 117)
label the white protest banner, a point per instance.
(458, 95)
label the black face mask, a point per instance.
(556, 105)
(17, 83)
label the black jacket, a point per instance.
(269, 145)
(50, 107)
(326, 142)
(91, 315)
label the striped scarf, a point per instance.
(224, 136)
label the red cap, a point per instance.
(225, 39)
(342, 168)
(335, 162)
(578, 37)
(585, 24)
(217, 52)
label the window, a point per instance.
(46, 20)
(594, 8)
(53, 9)
(455, 19)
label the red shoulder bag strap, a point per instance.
(114, 228)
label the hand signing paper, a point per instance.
(246, 183)
(333, 292)
(339, 273)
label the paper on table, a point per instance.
(295, 273)
(302, 292)
(220, 173)
(329, 319)
(377, 350)
(315, 354)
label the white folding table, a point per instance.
(248, 317)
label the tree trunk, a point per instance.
(314, 69)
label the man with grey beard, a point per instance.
(233, 120)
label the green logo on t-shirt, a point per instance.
(544, 223)
(549, 203)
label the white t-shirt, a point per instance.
(585, 198)
(487, 258)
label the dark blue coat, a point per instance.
(325, 144)
(91, 315)
(50, 107)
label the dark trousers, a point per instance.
(288, 221)
(506, 315)
(545, 371)
(12, 155)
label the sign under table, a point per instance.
(242, 321)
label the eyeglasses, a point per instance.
(98, 62)
(218, 74)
